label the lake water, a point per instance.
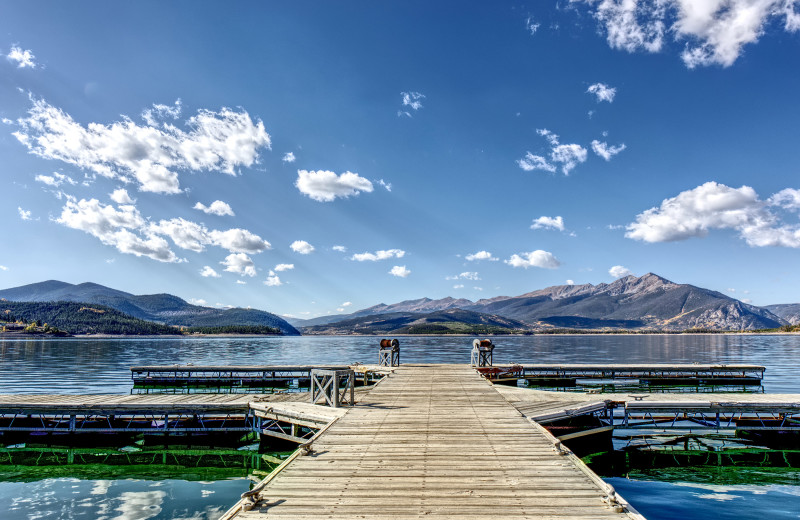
(80, 366)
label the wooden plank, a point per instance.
(431, 440)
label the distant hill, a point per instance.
(81, 318)
(161, 308)
(450, 321)
(788, 311)
(646, 302)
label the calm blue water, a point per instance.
(102, 366)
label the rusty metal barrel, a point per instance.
(389, 353)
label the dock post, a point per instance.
(389, 353)
(481, 353)
(334, 387)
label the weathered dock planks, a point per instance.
(433, 441)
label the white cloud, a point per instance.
(730, 289)
(400, 271)
(120, 196)
(711, 31)
(198, 301)
(570, 282)
(548, 223)
(481, 255)
(240, 264)
(458, 286)
(378, 255)
(241, 282)
(531, 26)
(22, 57)
(193, 236)
(55, 180)
(602, 92)
(153, 115)
(112, 226)
(3, 268)
(273, 280)
(216, 208)
(605, 151)
(535, 162)
(341, 249)
(347, 304)
(302, 247)
(325, 186)
(412, 100)
(537, 258)
(387, 185)
(788, 198)
(24, 215)
(149, 155)
(289, 157)
(693, 213)
(284, 267)
(619, 271)
(567, 155)
(239, 240)
(468, 275)
(208, 271)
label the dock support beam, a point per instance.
(334, 388)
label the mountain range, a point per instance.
(160, 308)
(646, 302)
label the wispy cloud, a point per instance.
(284, 267)
(378, 255)
(602, 92)
(412, 101)
(148, 155)
(55, 179)
(289, 157)
(325, 186)
(24, 214)
(467, 275)
(481, 255)
(341, 249)
(605, 151)
(531, 25)
(566, 155)
(23, 58)
(548, 223)
(712, 32)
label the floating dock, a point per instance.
(428, 440)
(652, 374)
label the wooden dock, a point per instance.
(655, 374)
(433, 441)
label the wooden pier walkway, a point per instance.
(433, 441)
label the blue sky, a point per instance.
(321, 157)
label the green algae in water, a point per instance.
(131, 482)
